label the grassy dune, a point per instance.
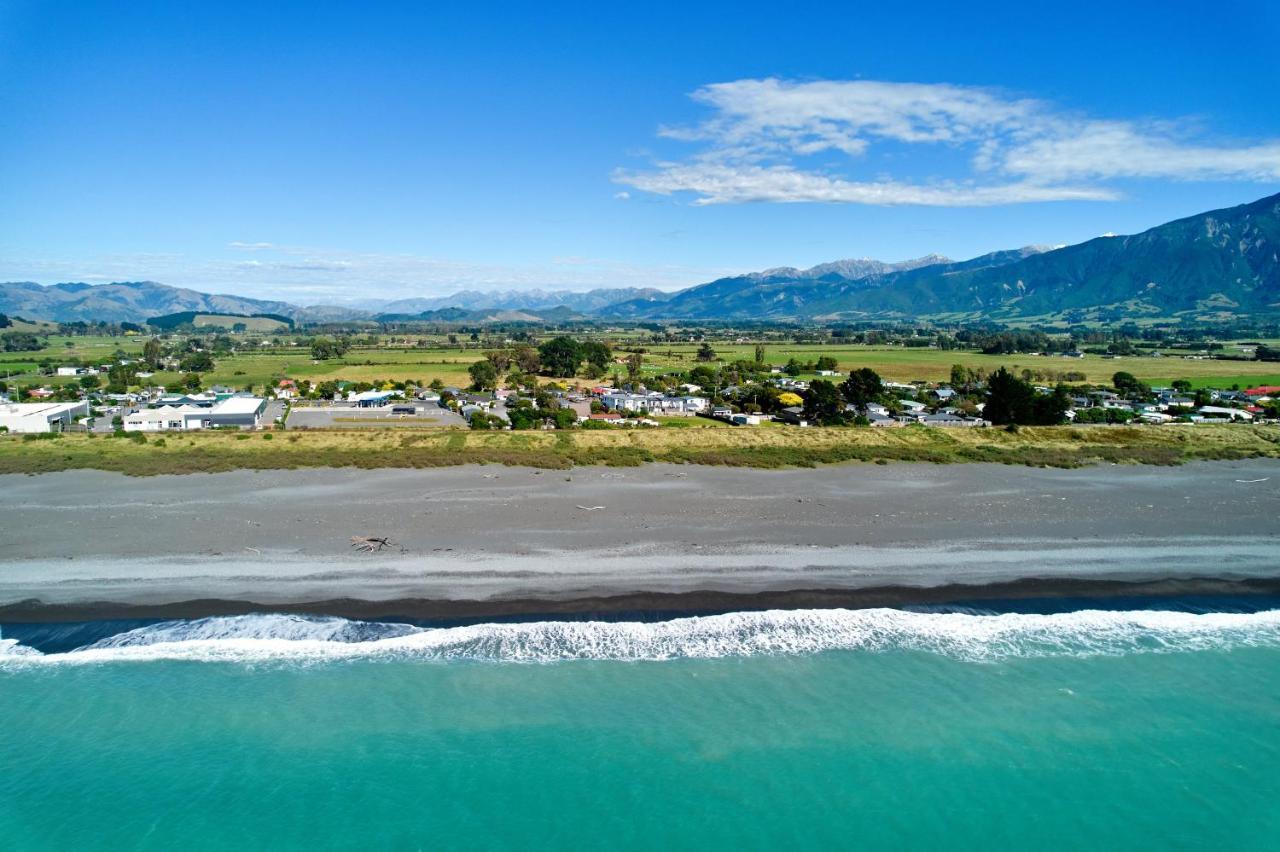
(1059, 446)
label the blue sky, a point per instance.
(332, 152)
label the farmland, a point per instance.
(258, 365)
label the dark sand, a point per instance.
(491, 541)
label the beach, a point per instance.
(487, 541)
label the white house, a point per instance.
(41, 416)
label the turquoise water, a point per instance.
(872, 730)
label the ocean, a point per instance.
(867, 729)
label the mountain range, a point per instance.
(1220, 263)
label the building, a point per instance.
(166, 418)
(41, 416)
(232, 412)
(242, 411)
(371, 398)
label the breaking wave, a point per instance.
(976, 638)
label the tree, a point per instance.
(560, 356)
(826, 362)
(759, 353)
(822, 403)
(196, 362)
(793, 368)
(526, 358)
(152, 352)
(500, 359)
(1126, 384)
(1181, 385)
(1009, 399)
(483, 375)
(89, 382)
(959, 376)
(597, 354)
(191, 382)
(862, 387)
(706, 353)
(634, 362)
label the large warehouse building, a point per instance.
(41, 416)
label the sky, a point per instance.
(338, 153)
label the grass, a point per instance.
(449, 363)
(1056, 446)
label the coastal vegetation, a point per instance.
(1056, 446)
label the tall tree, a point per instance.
(560, 356)
(822, 403)
(483, 375)
(1009, 399)
(862, 387)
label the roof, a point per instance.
(164, 412)
(239, 405)
(36, 409)
(372, 394)
(1263, 390)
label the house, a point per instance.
(722, 412)
(1217, 411)
(29, 417)
(286, 389)
(581, 408)
(792, 414)
(829, 373)
(876, 418)
(942, 419)
(607, 417)
(41, 393)
(745, 419)
(912, 406)
(77, 371)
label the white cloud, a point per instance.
(777, 140)
(308, 275)
(242, 246)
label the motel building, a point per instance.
(41, 416)
(243, 412)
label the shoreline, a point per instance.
(648, 605)
(475, 541)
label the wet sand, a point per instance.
(490, 541)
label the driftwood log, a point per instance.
(369, 543)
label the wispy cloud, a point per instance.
(784, 141)
(243, 246)
(310, 275)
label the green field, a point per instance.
(449, 363)
(259, 324)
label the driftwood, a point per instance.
(369, 543)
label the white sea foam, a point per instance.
(978, 638)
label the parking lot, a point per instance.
(428, 415)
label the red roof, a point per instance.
(1263, 390)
